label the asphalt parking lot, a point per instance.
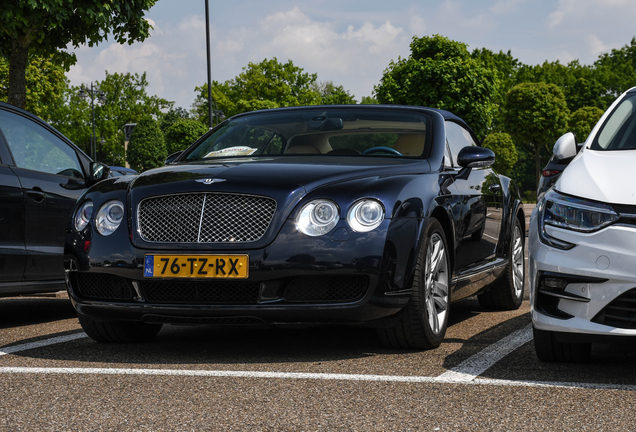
(485, 376)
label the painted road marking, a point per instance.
(312, 376)
(479, 363)
(465, 373)
(41, 343)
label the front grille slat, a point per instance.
(620, 313)
(102, 286)
(326, 289)
(201, 292)
(205, 218)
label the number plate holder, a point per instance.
(196, 266)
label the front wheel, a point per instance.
(422, 323)
(118, 331)
(507, 292)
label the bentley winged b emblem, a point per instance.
(210, 181)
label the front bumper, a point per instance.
(589, 291)
(296, 279)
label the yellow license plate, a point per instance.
(196, 266)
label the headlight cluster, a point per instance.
(320, 216)
(107, 220)
(571, 213)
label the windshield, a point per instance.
(619, 130)
(318, 132)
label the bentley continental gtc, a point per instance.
(362, 215)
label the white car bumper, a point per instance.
(604, 262)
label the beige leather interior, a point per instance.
(410, 144)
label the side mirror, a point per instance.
(565, 147)
(475, 157)
(99, 171)
(171, 158)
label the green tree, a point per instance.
(369, 100)
(440, 73)
(171, 117)
(334, 95)
(182, 133)
(616, 70)
(45, 82)
(146, 149)
(47, 27)
(536, 114)
(126, 102)
(268, 84)
(583, 120)
(505, 151)
(580, 84)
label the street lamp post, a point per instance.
(218, 115)
(94, 92)
(207, 45)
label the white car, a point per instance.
(582, 242)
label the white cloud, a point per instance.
(418, 25)
(595, 45)
(564, 8)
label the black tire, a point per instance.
(422, 323)
(118, 331)
(549, 349)
(506, 293)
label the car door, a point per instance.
(52, 178)
(13, 253)
(480, 199)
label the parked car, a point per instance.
(551, 172)
(582, 236)
(370, 215)
(117, 171)
(42, 174)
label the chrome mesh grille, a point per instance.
(205, 218)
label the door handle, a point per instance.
(494, 188)
(36, 195)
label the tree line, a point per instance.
(518, 110)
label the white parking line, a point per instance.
(465, 373)
(311, 376)
(41, 343)
(477, 364)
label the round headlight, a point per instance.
(109, 217)
(83, 215)
(318, 217)
(365, 215)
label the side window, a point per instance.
(35, 148)
(457, 138)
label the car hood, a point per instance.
(287, 172)
(285, 179)
(605, 176)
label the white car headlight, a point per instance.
(365, 215)
(317, 217)
(109, 217)
(571, 213)
(83, 215)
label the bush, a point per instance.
(505, 151)
(583, 120)
(182, 133)
(146, 148)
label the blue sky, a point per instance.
(349, 42)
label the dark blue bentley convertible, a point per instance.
(375, 215)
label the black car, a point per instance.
(370, 215)
(552, 171)
(118, 171)
(42, 174)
